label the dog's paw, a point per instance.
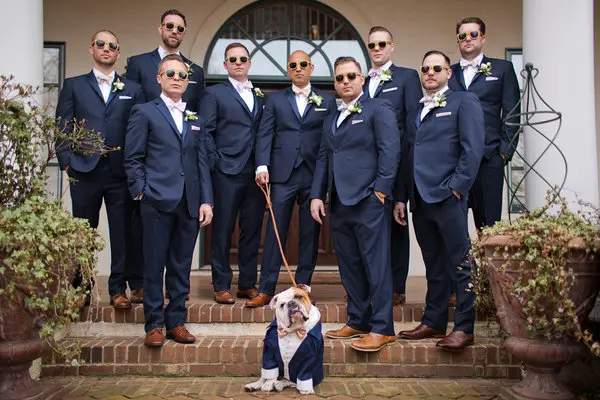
(283, 383)
(269, 385)
(254, 386)
(306, 392)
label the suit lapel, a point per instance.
(460, 78)
(292, 100)
(162, 107)
(155, 56)
(478, 74)
(94, 84)
(237, 96)
(112, 94)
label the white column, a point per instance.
(22, 41)
(558, 38)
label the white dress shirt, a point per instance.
(104, 82)
(345, 113)
(245, 94)
(374, 82)
(470, 70)
(175, 113)
(429, 106)
(163, 53)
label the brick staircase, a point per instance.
(229, 342)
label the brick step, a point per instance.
(240, 356)
(203, 311)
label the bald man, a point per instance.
(287, 145)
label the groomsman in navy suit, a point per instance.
(286, 152)
(169, 174)
(357, 166)
(447, 142)
(103, 99)
(142, 68)
(495, 83)
(232, 111)
(401, 87)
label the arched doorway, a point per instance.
(272, 30)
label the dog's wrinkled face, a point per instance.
(292, 307)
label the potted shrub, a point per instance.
(543, 270)
(41, 244)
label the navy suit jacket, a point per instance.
(231, 126)
(448, 147)
(81, 99)
(160, 162)
(284, 133)
(359, 157)
(143, 69)
(498, 95)
(307, 362)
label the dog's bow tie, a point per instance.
(301, 333)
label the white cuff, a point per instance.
(271, 373)
(261, 168)
(304, 385)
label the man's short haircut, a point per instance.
(432, 52)
(345, 60)
(471, 20)
(170, 57)
(104, 31)
(173, 12)
(381, 29)
(233, 46)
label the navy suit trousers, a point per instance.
(487, 192)
(236, 194)
(88, 190)
(400, 248)
(361, 238)
(169, 240)
(443, 235)
(283, 197)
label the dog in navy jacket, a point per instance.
(293, 345)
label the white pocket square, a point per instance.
(124, 97)
(390, 89)
(195, 128)
(356, 121)
(491, 78)
(444, 114)
(192, 82)
(320, 109)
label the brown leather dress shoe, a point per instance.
(456, 341)
(136, 296)
(180, 334)
(247, 293)
(372, 342)
(154, 338)
(223, 297)
(452, 300)
(345, 332)
(261, 300)
(120, 301)
(398, 298)
(421, 332)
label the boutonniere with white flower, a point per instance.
(190, 70)
(439, 100)
(315, 99)
(118, 85)
(190, 116)
(258, 92)
(355, 108)
(385, 76)
(485, 69)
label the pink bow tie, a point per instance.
(305, 91)
(426, 100)
(180, 105)
(240, 87)
(301, 333)
(373, 73)
(104, 78)
(465, 64)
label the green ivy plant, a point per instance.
(543, 292)
(41, 244)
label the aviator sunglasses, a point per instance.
(170, 73)
(436, 68)
(381, 44)
(101, 44)
(170, 26)
(233, 60)
(294, 65)
(472, 34)
(350, 75)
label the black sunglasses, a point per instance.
(436, 68)
(472, 34)
(381, 44)
(233, 60)
(294, 65)
(170, 73)
(170, 26)
(101, 44)
(350, 75)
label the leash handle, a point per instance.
(267, 193)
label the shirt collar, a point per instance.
(355, 100)
(234, 82)
(477, 59)
(386, 66)
(441, 91)
(163, 53)
(168, 100)
(96, 73)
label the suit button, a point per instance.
(335, 151)
(181, 173)
(297, 148)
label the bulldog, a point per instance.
(293, 345)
